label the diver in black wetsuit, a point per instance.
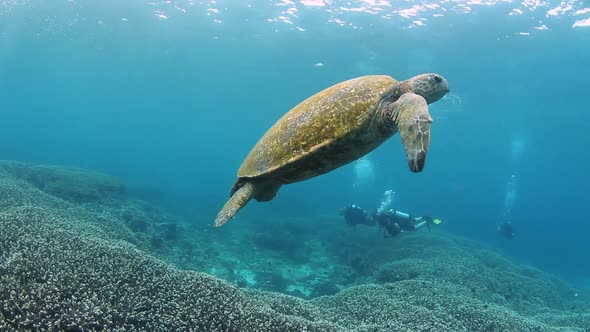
(505, 229)
(392, 221)
(355, 215)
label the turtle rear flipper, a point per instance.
(413, 122)
(242, 192)
(239, 198)
(266, 191)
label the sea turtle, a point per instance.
(335, 127)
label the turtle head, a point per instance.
(430, 86)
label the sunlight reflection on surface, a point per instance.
(354, 14)
(419, 12)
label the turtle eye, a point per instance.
(437, 79)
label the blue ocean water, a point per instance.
(170, 96)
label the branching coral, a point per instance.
(68, 265)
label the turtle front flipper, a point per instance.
(413, 121)
(238, 200)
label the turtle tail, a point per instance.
(238, 200)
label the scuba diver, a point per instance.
(355, 215)
(392, 221)
(506, 230)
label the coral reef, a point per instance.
(417, 305)
(70, 184)
(78, 253)
(484, 274)
(62, 269)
